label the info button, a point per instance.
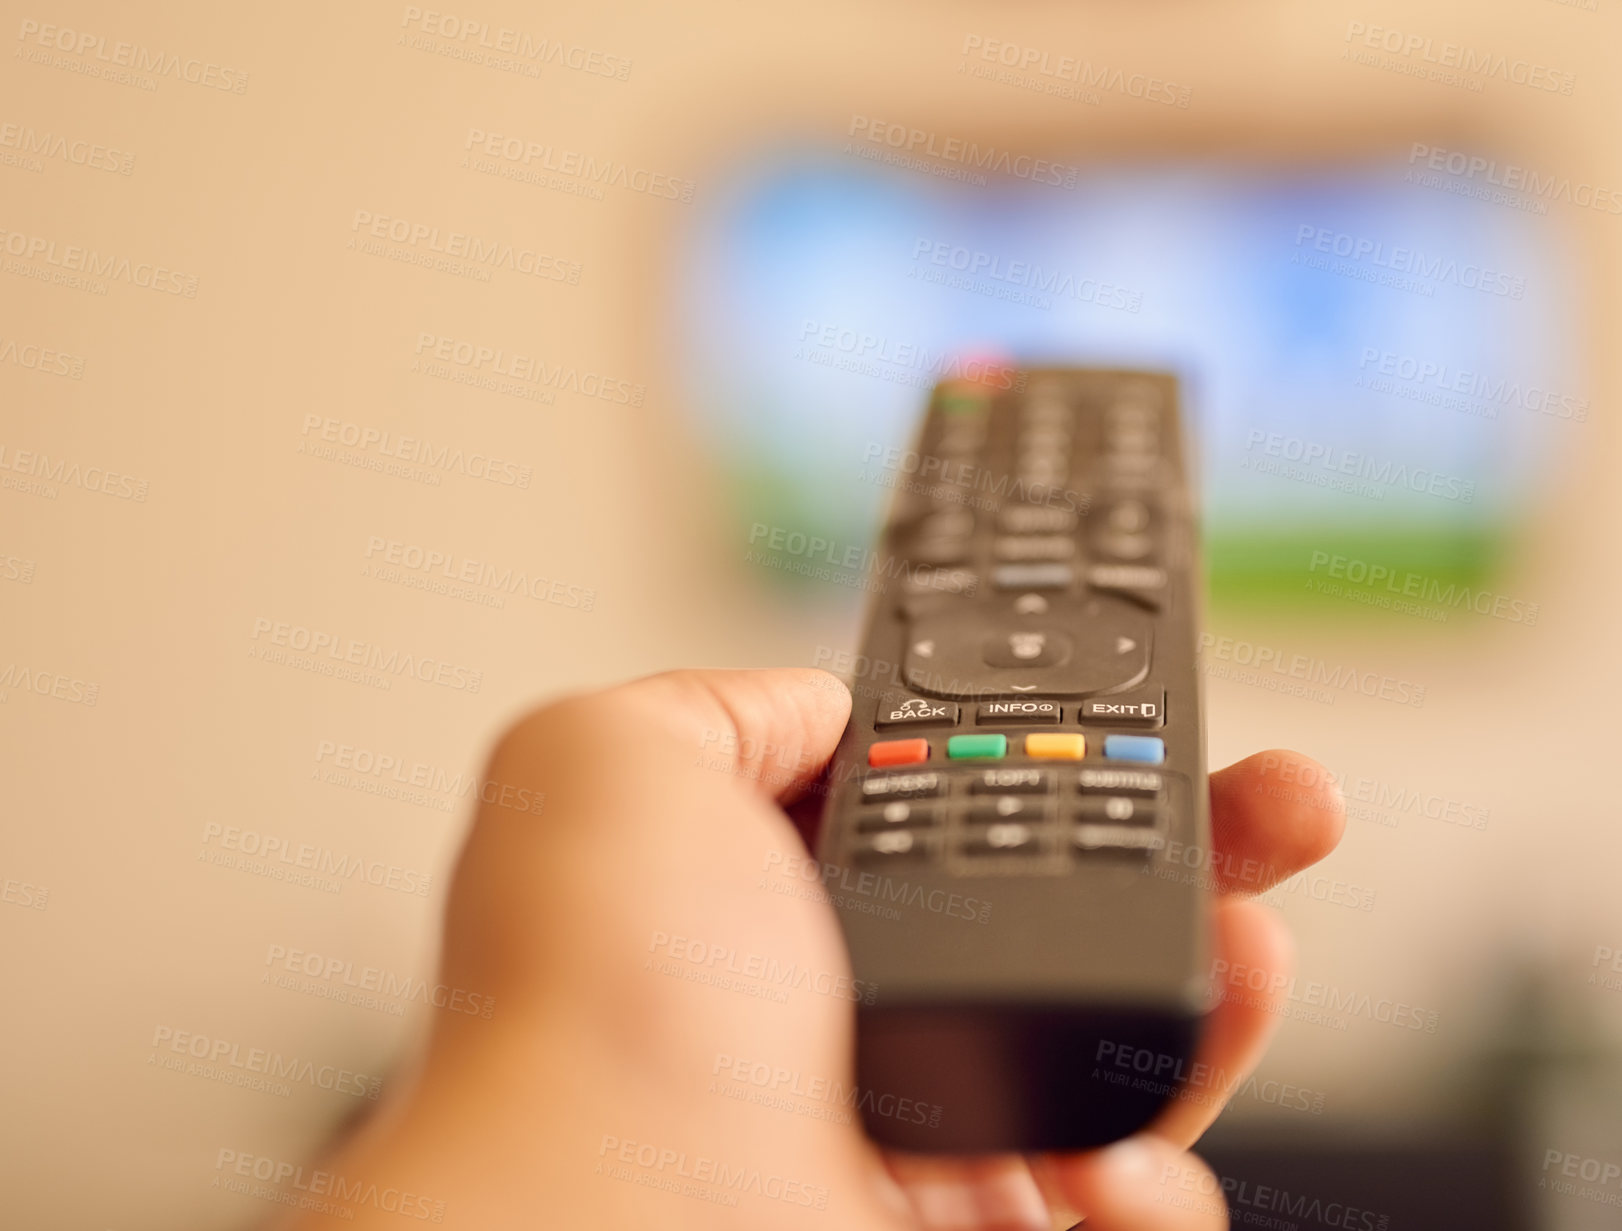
(1001, 713)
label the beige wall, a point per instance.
(204, 399)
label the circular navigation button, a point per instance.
(1003, 648)
(1026, 648)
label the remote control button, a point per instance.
(1050, 430)
(898, 814)
(959, 436)
(1034, 547)
(1047, 401)
(1117, 838)
(900, 786)
(921, 606)
(1003, 713)
(1044, 457)
(1077, 649)
(1133, 413)
(1126, 577)
(948, 523)
(914, 712)
(1150, 749)
(1004, 839)
(1041, 444)
(1053, 746)
(1036, 519)
(1142, 583)
(1010, 781)
(1008, 808)
(1041, 471)
(963, 402)
(898, 752)
(961, 746)
(1117, 810)
(1027, 648)
(1146, 709)
(957, 475)
(942, 581)
(892, 845)
(938, 552)
(1127, 516)
(1132, 467)
(1114, 781)
(1033, 576)
(1124, 546)
(1128, 440)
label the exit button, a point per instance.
(1129, 709)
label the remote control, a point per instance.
(1010, 810)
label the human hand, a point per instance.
(598, 1093)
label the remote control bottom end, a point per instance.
(1001, 1079)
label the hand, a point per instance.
(610, 1068)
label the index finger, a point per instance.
(1272, 815)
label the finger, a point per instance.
(995, 1193)
(775, 728)
(1143, 1184)
(1062, 1215)
(1272, 814)
(1255, 957)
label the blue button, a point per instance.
(1150, 748)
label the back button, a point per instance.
(914, 712)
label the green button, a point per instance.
(959, 746)
(963, 403)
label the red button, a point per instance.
(898, 752)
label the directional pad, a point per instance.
(1022, 647)
(1071, 647)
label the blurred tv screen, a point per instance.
(1376, 365)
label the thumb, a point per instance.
(773, 728)
(644, 792)
(1142, 1183)
(652, 757)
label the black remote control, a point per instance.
(1011, 807)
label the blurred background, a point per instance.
(369, 375)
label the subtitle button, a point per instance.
(914, 712)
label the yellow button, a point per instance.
(1059, 747)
